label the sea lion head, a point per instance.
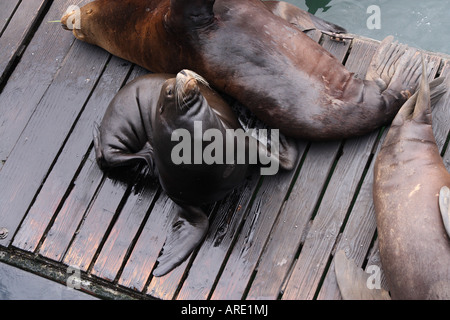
(181, 101)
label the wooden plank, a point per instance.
(357, 236)
(60, 178)
(31, 78)
(325, 227)
(97, 221)
(72, 211)
(122, 235)
(46, 131)
(361, 226)
(13, 37)
(7, 9)
(255, 232)
(146, 250)
(223, 229)
(286, 236)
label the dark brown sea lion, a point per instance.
(411, 198)
(252, 52)
(140, 125)
(408, 177)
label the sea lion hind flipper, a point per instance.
(418, 106)
(444, 205)
(397, 68)
(352, 281)
(188, 231)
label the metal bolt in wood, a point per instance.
(3, 233)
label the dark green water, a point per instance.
(420, 24)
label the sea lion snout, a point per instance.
(71, 20)
(187, 87)
(65, 20)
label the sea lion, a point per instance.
(409, 177)
(410, 195)
(140, 125)
(253, 53)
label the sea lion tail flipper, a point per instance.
(188, 231)
(302, 19)
(444, 205)
(352, 281)
(419, 105)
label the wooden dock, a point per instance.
(273, 238)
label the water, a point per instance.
(16, 284)
(423, 24)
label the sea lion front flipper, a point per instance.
(352, 281)
(302, 19)
(109, 157)
(444, 205)
(188, 230)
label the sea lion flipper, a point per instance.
(419, 105)
(109, 157)
(188, 230)
(288, 152)
(352, 281)
(302, 19)
(147, 154)
(397, 68)
(444, 205)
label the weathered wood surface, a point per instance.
(272, 238)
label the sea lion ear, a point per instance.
(444, 205)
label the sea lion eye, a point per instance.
(169, 92)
